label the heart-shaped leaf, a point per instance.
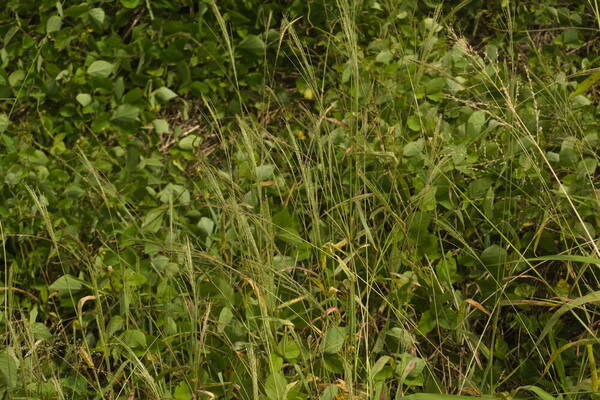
(101, 69)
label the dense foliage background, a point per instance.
(253, 199)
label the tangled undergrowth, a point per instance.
(274, 200)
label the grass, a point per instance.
(418, 222)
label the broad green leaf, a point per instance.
(434, 85)
(66, 283)
(252, 44)
(16, 77)
(53, 24)
(479, 187)
(288, 349)
(276, 386)
(409, 369)
(476, 122)
(115, 324)
(206, 225)
(134, 338)
(334, 340)
(265, 172)
(40, 331)
(130, 3)
(413, 149)
(161, 126)
(427, 198)
(4, 122)
(153, 220)
(174, 193)
(435, 396)
(427, 322)
(500, 348)
(330, 393)
(580, 101)
(378, 366)
(9, 368)
(38, 157)
(225, 317)
(183, 392)
(134, 279)
(190, 142)
(77, 11)
(84, 99)
(97, 15)
(405, 338)
(164, 94)
(590, 81)
(384, 57)
(494, 255)
(126, 113)
(541, 393)
(446, 269)
(414, 123)
(101, 69)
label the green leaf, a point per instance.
(77, 11)
(101, 69)
(413, 149)
(414, 123)
(15, 78)
(134, 338)
(206, 225)
(252, 45)
(334, 340)
(446, 270)
(161, 126)
(115, 324)
(97, 15)
(590, 81)
(475, 123)
(225, 317)
(436, 396)
(265, 172)
(9, 367)
(174, 193)
(53, 24)
(434, 85)
(384, 57)
(330, 393)
(130, 3)
(427, 322)
(409, 369)
(84, 99)
(4, 122)
(164, 94)
(494, 255)
(276, 386)
(40, 331)
(153, 220)
(189, 142)
(66, 283)
(288, 349)
(183, 392)
(378, 366)
(500, 348)
(126, 113)
(542, 394)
